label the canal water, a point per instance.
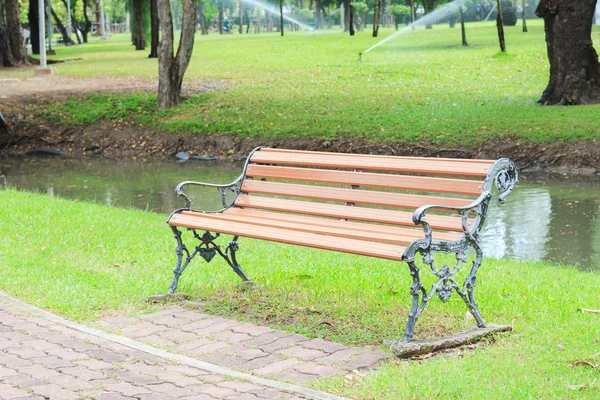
(550, 218)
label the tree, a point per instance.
(172, 68)
(462, 25)
(281, 16)
(153, 29)
(140, 43)
(12, 51)
(500, 27)
(574, 66)
(377, 5)
(523, 16)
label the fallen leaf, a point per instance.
(583, 363)
(580, 387)
(117, 265)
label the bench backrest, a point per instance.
(380, 189)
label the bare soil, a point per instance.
(131, 142)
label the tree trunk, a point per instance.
(428, 6)
(34, 27)
(202, 18)
(139, 25)
(87, 25)
(574, 66)
(61, 28)
(281, 16)
(154, 28)
(241, 29)
(500, 26)
(13, 24)
(462, 26)
(347, 5)
(220, 5)
(523, 17)
(172, 68)
(6, 57)
(74, 23)
(351, 20)
(376, 17)
(317, 14)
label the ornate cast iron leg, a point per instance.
(467, 292)
(232, 247)
(419, 295)
(179, 267)
(207, 250)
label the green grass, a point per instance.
(83, 260)
(420, 86)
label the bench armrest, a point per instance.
(479, 207)
(224, 188)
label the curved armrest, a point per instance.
(479, 206)
(233, 186)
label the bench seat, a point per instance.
(376, 206)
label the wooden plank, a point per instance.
(393, 164)
(399, 200)
(370, 179)
(353, 246)
(352, 213)
(467, 160)
(415, 232)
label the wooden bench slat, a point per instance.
(353, 246)
(374, 229)
(353, 213)
(370, 179)
(465, 160)
(371, 197)
(339, 231)
(395, 164)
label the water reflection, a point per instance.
(555, 219)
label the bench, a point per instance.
(377, 206)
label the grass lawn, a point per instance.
(83, 260)
(420, 86)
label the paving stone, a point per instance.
(161, 313)
(126, 389)
(260, 362)
(93, 364)
(283, 343)
(177, 335)
(39, 344)
(111, 396)
(201, 324)
(232, 337)
(67, 354)
(323, 345)
(119, 320)
(107, 356)
(197, 396)
(338, 356)
(216, 328)
(140, 330)
(293, 376)
(267, 338)
(318, 370)
(7, 372)
(242, 396)
(52, 362)
(185, 370)
(170, 321)
(244, 352)
(276, 366)
(269, 394)
(193, 345)
(25, 352)
(157, 340)
(70, 382)
(214, 390)
(32, 328)
(301, 353)
(38, 371)
(210, 348)
(22, 381)
(154, 396)
(83, 373)
(136, 378)
(252, 330)
(222, 359)
(54, 392)
(171, 390)
(8, 392)
(14, 361)
(364, 360)
(78, 345)
(9, 344)
(177, 378)
(240, 386)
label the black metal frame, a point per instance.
(503, 174)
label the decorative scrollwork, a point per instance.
(207, 253)
(504, 175)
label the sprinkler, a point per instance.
(360, 56)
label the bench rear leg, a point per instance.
(232, 248)
(468, 289)
(420, 299)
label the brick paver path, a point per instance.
(42, 359)
(256, 349)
